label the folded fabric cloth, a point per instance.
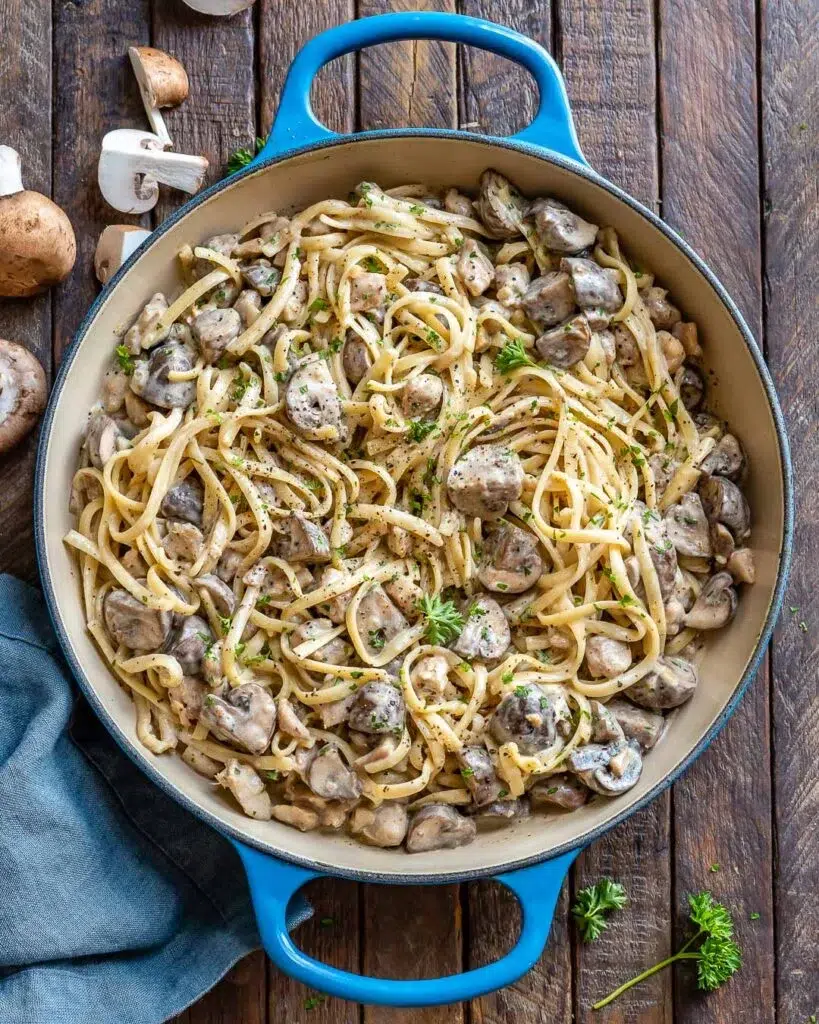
(115, 903)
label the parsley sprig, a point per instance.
(512, 356)
(594, 903)
(242, 157)
(444, 621)
(718, 957)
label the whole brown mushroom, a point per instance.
(22, 393)
(37, 244)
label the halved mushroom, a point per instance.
(639, 724)
(301, 540)
(607, 657)
(422, 396)
(248, 789)
(102, 438)
(188, 644)
(133, 163)
(564, 791)
(687, 527)
(478, 773)
(355, 358)
(134, 625)
(499, 205)
(474, 267)
(741, 566)
(367, 292)
(439, 827)
(23, 393)
(511, 282)
(549, 299)
(214, 330)
(567, 344)
(486, 634)
(532, 717)
(116, 244)
(246, 717)
(725, 503)
(384, 826)
(500, 812)
(716, 604)
(595, 287)
(671, 683)
(186, 699)
(312, 402)
(608, 770)
(691, 386)
(485, 480)
(662, 313)
(330, 777)
(333, 652)
(511, 562)
(559, 228)
(163, 82)
(378, 620)
(378, 708)
(726, 459)
(150, 379)
(184, 500)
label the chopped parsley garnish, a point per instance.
(317, 305)
(419, 429)
(125, 359)
(377, 639)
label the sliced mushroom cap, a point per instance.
(474, 267)
(262, 276)
(726, 459)
(214, 330)
(604, 727)
(531, 716)
(500, 812)
(607, 657)
(422, 396)
(301, 540)
(224, 600)
(383, 826)
(671, 684)
(331, 778)
(639, 724)
(355, 358)
(378, 620)
(691, 387)
(131, 623)
(564, 791)
(716, 604)
(333, 652)
(511, 562)
(312, 401)
(722, 543)
(101, 438)
(559, 228)
(485, 480)
(687, 527)
(663, 314)
(185, 500)
(246, 717)
(741, 566)
(188, 644)
(662, 551)
(595, 287)
(478, 773)
(486, 634)
(499, 205)
(248, 789)
(378, 708)
(228, 564)
(335, 712)
(511, 282)
(725, 503)
(663, 467)
(549, 299)
(150, 379)
(567, 344)
(23, 393)
(611, 770)
(439, 827)
(248, 306)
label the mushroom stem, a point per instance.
(11, 179)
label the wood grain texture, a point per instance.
(790, 127)
(237, 999)
(25, 124)
(711, 193)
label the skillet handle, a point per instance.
(274, 884)
(296, 126)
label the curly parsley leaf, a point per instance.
(512, 356)
(242, 157)
(594, 903)
(443, 620)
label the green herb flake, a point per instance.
(125, 359)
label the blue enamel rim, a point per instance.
(784, 558)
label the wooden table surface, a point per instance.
(709, 113)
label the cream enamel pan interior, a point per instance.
(738, 391)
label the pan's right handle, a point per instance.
(296, 126)
(274, 884)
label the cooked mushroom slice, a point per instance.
(183, 541)
(604, 726)
(725, 503)
(336, 609)
(378, 620)
(335, 712)
(261, 275)
(248, 789)
(726, 459)
(141, 334)
(417, 284)
(501, 812)
(439, 827)
(289, 721)
(246, 717)
(312, 401)
(662, 551)
(186, 699)
(378, 708)
(102, 436)
(612, 770)
(301, 540)
(663, 469)
(133, 624)
(687, 527)
(478, 773)
(565, 345)
(214, 330)
(248, 306)
(486, 633)
(741, 566)
(228, 564)
(334, 652)
(383, 826)
(511, 562)
(532, 717)
(559, 229)
(595, 287)
(457, 202)
(549, 299)
(222, 596)
(474, 267)
(367, 292)
(225, 295)
(405, 594)
(223, 244)
(607, 657)
(485, 480)
(331, 778)
(185, 500)
(511, 282)
(150, 379)
(639, 724)
(716, 604)
(499, 205)
(672, 683)
(722, 543)
(189, 642)
(663, 314)
(564, 791)
(355, 358)
(691, 387)
(422, 396)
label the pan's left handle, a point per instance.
(275, 885)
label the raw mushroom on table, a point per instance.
(23, 392)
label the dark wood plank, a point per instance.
(239, 989)
(608, 59)
(25, 124)
(790, 101)
(711, 193)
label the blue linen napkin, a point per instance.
(116, 904)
